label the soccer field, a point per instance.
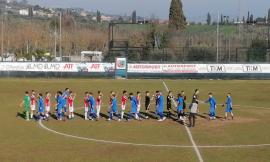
(244, 139)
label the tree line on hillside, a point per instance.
(249, 19)
(175, 41)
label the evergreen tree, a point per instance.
(208, 20)
(221, 19)
(244, 20)
(268, 18)
(177, 19)
(134, 17)
(30, 12)
(251, 19)
(121, 19)
(98, 16)
(248, 18)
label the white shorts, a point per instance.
(86, 109)
(71, 109)
(48, 108)
(33, 107)
(123, 107)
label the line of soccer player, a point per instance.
(92, 106)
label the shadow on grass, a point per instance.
(21, 115)
(79, 115)
(181, 122)
(218, 117)
(102, 115)
(152, 115)
(53, 115)
(203, 116)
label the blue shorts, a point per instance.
(59, 110)
(158, 112)
(228, 110)
(113, 110)
(180, 109)
(133, 110)
(212, 110)
(92, 110)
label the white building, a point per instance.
(91, 56)
(106, 18)
(24, 12)
(83, 13)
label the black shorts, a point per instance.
(193, 114)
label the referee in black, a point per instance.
(194, 108)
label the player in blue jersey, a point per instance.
(92, 106)
(65, 101)
(134, 105)
(60, 104)
(229, 106)
(180, 107)
(212, 109)
(184, 102)
(160, 106)
(113, 108)
(41, 108)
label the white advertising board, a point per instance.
(135, 68)
(198, 68)
(56, 67)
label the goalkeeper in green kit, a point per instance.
(26, 104)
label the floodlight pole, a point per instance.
(55, 38)
(268, 41)
(217, 56)
(60, 35)
(229, 50)
(2, 38)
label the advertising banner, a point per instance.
(120, 63)
(57, 67)
(121, 66)
(198, 68)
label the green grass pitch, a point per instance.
(28, 142)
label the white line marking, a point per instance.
(147, 145)
(252, 107)
(105, 141)
(166, 87)
(154, 145)
(196, 149)
(194, 144)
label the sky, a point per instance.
(195, 10)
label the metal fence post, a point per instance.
(236, 55)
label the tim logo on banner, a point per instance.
(253, 68)
(218, 68)
(120, 68)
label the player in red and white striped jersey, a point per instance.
(47, 104)
(33, 102)
(123, 103)
(98, 103)
(71, 99)
(86, 105)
